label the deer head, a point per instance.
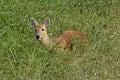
(40, 29)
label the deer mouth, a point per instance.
(40, 39)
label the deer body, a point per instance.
(64, 41)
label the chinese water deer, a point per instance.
(65, 41)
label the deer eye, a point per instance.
(42, 29)
(35, 29)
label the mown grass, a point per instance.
(24, 58)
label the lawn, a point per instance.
(22, 57)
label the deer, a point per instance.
(64, 41)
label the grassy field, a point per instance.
(22, 57)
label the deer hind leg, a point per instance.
(69, 47)
(75, 43)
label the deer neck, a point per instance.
(49, 43)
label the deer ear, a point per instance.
(47, 21)
(33, 22)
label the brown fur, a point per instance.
(65, 40)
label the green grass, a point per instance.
(24, 58)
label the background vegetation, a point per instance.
(24, 58)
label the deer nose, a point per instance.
(37, 37)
